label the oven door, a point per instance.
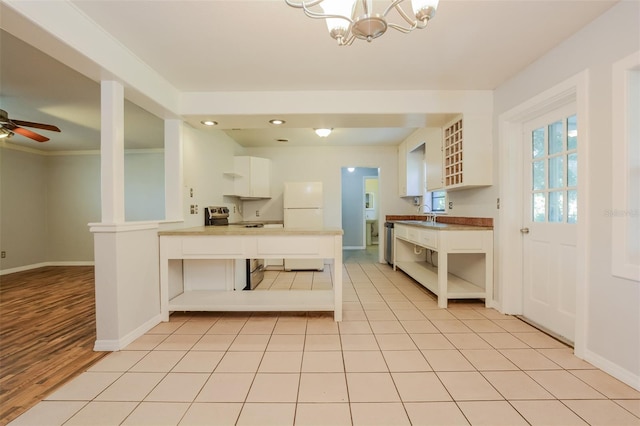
(255, 273)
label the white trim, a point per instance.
(510, 181)
(613, 369)
(621, 211)
(122, 227)
(8, 145)
(353, 247)
(44, 264)
(116, 345)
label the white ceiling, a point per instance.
(264, 45)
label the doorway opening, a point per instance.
(361, 212)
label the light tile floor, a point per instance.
(395, 359)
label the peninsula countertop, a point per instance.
(241, 230)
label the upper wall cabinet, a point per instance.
(467, 153)
(411, 176)
(250, 178)
(433, 158)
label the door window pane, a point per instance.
(556, 206)
(556, 138)
(538, 175)
(572, 133)
(537, 138)
(572, 170)
(572, 206)
(539, 207)
(556, 172)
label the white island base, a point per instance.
(227, 244)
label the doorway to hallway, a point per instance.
(360, 209)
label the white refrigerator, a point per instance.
(303, 209)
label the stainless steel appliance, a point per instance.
(216, 216)
(255, 273)
(388, 242)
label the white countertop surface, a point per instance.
(241, 230)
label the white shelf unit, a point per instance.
(453, 164)
(411, 243)
(427, 275)
(466, 153)
(269, 300)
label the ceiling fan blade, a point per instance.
(36, 125)
(29, 134)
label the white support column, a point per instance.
(112, 151)
(173, 170)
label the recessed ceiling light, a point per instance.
(209, 122)
(323, 133)
(277, 121)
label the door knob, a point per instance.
(524, 230)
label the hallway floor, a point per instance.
(395, 359)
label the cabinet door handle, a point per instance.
(524, 230)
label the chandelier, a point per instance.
(351, 19)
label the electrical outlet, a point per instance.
(498, 204)
(4, 254)
(450, 205)
(257, 213)
(192, 209)
(191, 192)
(234, 208)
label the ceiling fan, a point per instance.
(8, 127)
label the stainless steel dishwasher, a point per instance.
(388, 242)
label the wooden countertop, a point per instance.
(241, 230)
(452, 220)
(442, 226)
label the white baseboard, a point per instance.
(353, 248)
(614, 370)
(43, 264)
(119, 344)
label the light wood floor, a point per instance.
(47, 333)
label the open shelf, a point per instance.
(256, 300)
(427, 275)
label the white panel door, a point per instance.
(549, 221)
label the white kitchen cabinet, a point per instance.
(250, 178)
(467, 151)
(433, 158)
(411, 175)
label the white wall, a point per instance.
(23, 218)
(48, 200)
(73, 187)
(144, 185)
(612, 311)
(207, 155)
(324, 163)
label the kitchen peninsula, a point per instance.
(230, 243)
